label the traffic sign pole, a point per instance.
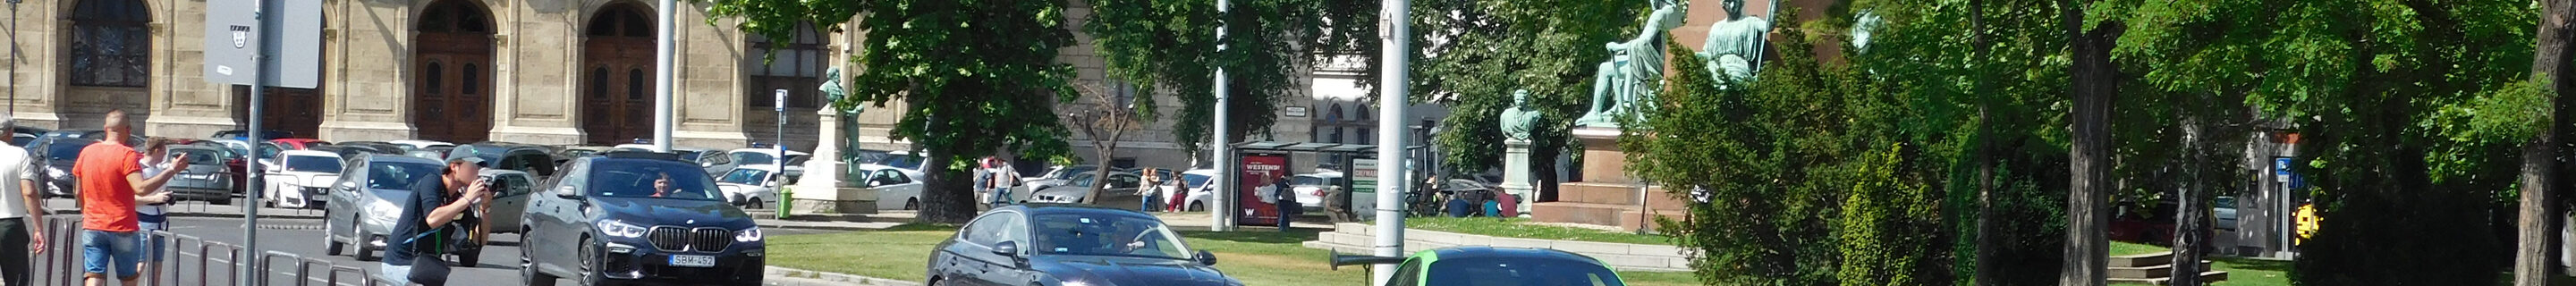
(250, 203)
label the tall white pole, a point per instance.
(1221, 211)
(1391, 165)
(250, 199)
(662, 80)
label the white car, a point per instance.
(2225, 210)
(750, 186)
(1202, 191)
(420, 144)
(765, 157)
(897, 188)
(297, 178)
(1054, 176)
(1310, 187)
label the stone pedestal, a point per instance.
(1517, 179)
(821, 189)
(1605, 194)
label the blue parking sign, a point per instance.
(2281, 166)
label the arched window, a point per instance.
(794, 64)
(111, 44)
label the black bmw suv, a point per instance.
(638, 217)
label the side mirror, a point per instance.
(348, 186)
(568, 192)
(1205, 258)
(1007, 248)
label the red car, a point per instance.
(299, 143)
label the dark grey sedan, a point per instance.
(206, 179)
(1042, 244)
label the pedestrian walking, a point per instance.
(1148, 194)
(1286, 202)
(22, 212)
(111, 181)
(1000, 178)
(150, 217)
(430, 216)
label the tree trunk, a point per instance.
(2189, 206)
(2531, 262)
(2086, 223)
(948, 194)
(1989, 239)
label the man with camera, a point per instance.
(430, 216)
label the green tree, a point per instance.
(1171, 46)
(1489, 48)
(2394, 99)
(969, 72)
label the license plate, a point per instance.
(693, 261)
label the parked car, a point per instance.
(1059, 244)
(569, 152)
(897, 188)
(1120, 190)
(510, 193)
(719, 165)
(605, 221)
(206, 179)
(245, 134)
(1200, 184)
(534, 159)
(296, 178)
(1486, 265)
(298, 143)
(2225, 211)
(59, 154)
(751, 186)
(1310, 187)
(1056, 175)
(369, 147)
(898, 159)
(364, 203)
(22, 139)
(410, 145)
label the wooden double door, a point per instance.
(452, 86)
(617, 76)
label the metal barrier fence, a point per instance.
(193, 260)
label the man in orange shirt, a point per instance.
(110, 175)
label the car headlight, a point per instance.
(382, 211)
(747, 235)
(620, 229)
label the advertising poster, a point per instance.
(1260, 170)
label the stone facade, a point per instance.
(527, 83)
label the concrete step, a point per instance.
(2158, 271)
(1617, 194)
(2205, 277)
(2142, 260)
(1583, 213)
(1635, 220)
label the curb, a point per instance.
(776, 271)
(768, 223)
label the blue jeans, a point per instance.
(1001, 196)
(1149, 203)
(394, 274)
(103, 250)
(152, 248)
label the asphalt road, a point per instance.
(303, 237)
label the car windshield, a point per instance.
(317, 164)
(66, 149)
(1106, 234)
(1193, 181)
(645, 180)
(749, 158)
(1518, 271)
(397, 175)
(2226, 203)
(744, 176)
(201, 157)
(1073, 172)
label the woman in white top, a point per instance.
(151, 216)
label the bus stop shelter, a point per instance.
(1283, 151)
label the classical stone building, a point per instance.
(534, 71)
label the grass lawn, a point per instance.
(2240, 271)
(1255, 257)
(1521, 228)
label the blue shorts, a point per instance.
(101, 250)
(153, 249)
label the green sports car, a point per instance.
(1492, 266)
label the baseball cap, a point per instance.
(467, 155)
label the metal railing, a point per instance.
(193, 260)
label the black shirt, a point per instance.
(427, 194)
